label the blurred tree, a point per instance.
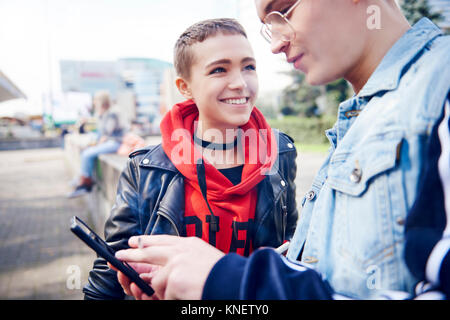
(300, 98)
(415, 10)
(288, 111)
(267, 108)
(337, 92)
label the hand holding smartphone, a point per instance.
(88, 236)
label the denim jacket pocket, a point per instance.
(351, 172)
(364, 180)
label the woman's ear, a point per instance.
(183, 88)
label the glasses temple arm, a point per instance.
(292, 8)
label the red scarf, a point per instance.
(233, 205)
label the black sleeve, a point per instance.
(122, 223)
(265, 275)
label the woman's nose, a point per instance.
(238, 81)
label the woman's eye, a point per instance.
(217, 70)
(250, 67)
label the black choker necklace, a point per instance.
(215, 146)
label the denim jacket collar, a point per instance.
(388, 73)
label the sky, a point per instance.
(36, 34)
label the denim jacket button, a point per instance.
(290, 145)
(310, 195)
(145, 161)
(283, 183)
(356, 174)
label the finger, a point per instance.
(156, 240)
(123, 279)
(146, 297)
(124, 282)
(136, 291)
(159, 281)
(150, 255)
(139, 294)
(111, 266)
(142, 267)
(138, 267)
(147, 277)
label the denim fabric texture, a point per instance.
(90, 154)
(351, 227)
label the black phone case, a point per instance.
(105, 251)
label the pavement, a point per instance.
(39, 257)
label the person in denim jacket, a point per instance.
(352, 226)
(351, 229)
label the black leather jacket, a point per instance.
(150, 200)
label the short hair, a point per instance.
(200, 31)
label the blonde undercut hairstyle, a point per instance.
(183, 55)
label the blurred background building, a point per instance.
(138, 86)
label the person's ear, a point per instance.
(183, 88)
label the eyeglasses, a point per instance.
(276, 25)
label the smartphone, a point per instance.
(88, 236)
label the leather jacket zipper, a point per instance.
(165, 215)
(284, 221)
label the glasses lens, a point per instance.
(278, 28)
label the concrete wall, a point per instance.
(30, 143)
(101, 200)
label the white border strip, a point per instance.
(444, 163)
(443, 246)
(435, 259)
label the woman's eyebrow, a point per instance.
(228, 61)
(221, 61)
(248, 60)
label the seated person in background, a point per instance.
(109, 139)
(221, 173)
